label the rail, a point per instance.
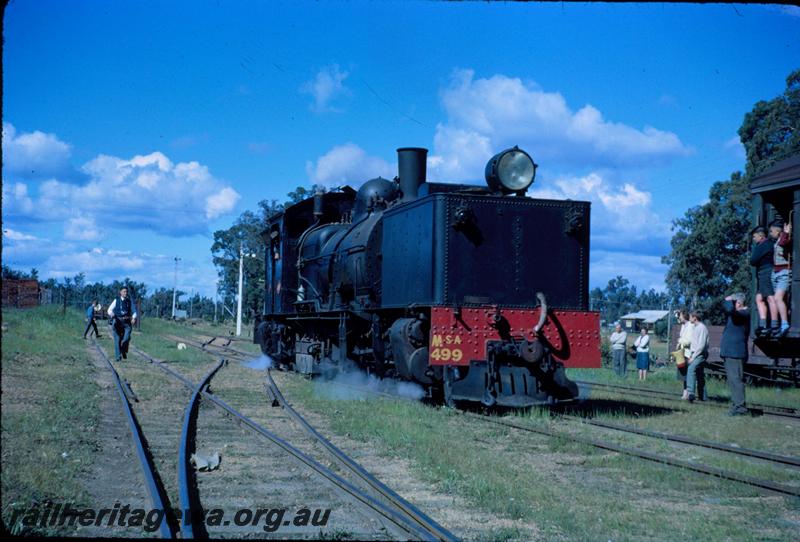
(189, 499)
(153, 484)
(411, 511)
(367, 500)
(705, 469)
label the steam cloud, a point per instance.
(350, 383)
(261, 363)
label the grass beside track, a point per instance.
(665, 379)
(49, 411)
(570, 491)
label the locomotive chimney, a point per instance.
(411, 164)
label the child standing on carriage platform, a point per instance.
(781, 234)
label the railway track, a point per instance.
(406, 519)
(760, 483)
(649, 456)
(755, 408)
(153, 483)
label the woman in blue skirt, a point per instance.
(642, 345)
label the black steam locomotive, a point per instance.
(476, 293)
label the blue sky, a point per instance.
(132, 130)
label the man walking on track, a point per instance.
(123, 316)
(90, 317)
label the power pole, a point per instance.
(669, 326)
(175, 287)
(239, 300)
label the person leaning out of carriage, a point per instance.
(733, 349)
(761, 258)
(122, 316)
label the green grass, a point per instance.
(665, 379)
(569, 491)
(50, 410)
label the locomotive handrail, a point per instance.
(543, 315)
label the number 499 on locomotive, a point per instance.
(477, 293)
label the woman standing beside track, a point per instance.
(642, 345)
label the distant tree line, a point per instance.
(620, 297)
(75, 292)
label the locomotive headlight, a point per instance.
(510, 171)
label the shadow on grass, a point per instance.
(614, 407)
(584, 408)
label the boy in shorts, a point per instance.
(761, 258)
(781, 234)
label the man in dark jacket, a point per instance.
(761, 258)
(122, 315)
(733, 349)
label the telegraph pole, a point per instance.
(175, 287)
(239, 301)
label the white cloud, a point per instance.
(16, 201)
(347, 164)
(145, 192)
(222, 202)
(735, 146)
(622, 214)
(96, 260)
(645, 271)
(325, 88)
(33, 155)
(14, 235)
(487, 115)
(107, 265)
(82, 229)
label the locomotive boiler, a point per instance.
(477, 293)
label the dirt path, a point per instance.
(115, 476)
(254, 475)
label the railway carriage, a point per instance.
(776, 195)
(477, 293)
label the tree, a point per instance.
(245, 233)
(709, 249)
(771, 131)
(14, 274)
(709, 253)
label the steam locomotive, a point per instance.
(479, 294)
